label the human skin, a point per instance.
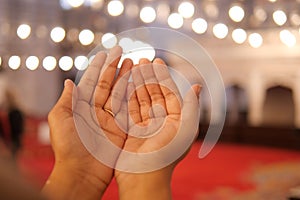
(77, 174)
(154, 184)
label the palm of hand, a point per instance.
(154, 110)
(153, 132)
(78, 125)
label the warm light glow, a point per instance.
(211, 10)
(65, 4)
(287, 38)
(75, 3)
(109, 40)
(57, 34)
(126, 44)
(65, 63)
(147, 14)
(41, 31)
(186, 9)
(81, 62)
(260, 14)
(279, 17)
(0, 60)
(175, 20)
(132, 10)
(23, 31)
(199, 25)
(272, 1)
(96, 4)
(32, 62)
(239, 35)
(14, 62)
(135, 50)
(86, 37)
(163, 11)
(255, 40)
(73, 34)
(115, 8)
(295, 19)
(236, 13)
(220, 30)
(49, 63)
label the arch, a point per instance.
(278, 107)
(237, 104)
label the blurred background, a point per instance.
(254, 43)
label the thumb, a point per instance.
(190, 109)
(192, 96)
(65, 100)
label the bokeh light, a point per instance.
(239, 35)
(115, 8)
(211, 10)
(81, 62)
(220, 30)
(57, 34)
(23, 31)
(255, 40)
(135, 50)
(49, 63)
(199, 25)
(132, 10)
(287, 38)
(65, 63)
(32, 62)
(295, 19)
(86, 37)
(75, 3)
(126, 44)
(14, 62)
(260, 14)
(96, 4)
(163, 11)
(109, 40)
(279, 17)
(186, 9)
(147, 14)
(236, 13)
(175, 20)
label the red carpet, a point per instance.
(228, 172)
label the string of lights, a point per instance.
(185, 15)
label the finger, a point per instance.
(190, 109)
(119, 88)
(107, 75)
(141, 93)
(90, 78)
(167, 86)
(133, 106)
(152, 87)
(126, 67)
(63, 106)
(191, 99)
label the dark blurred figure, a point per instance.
(15, 120)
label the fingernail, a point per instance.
(67, 82)
(198, 90)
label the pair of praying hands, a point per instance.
(111, 126)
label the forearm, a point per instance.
(153, 185)
(68, 183)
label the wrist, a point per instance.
(68, 182)
(152, 185)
